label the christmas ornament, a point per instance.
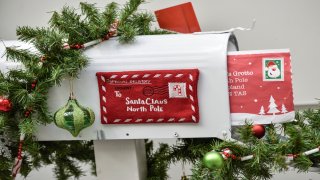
(74, 117)
(5, 104)
(258, 130)
(27, 113)
(227, 153)
(18, 161)
(34, 84)
(213, 160)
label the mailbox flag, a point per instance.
(180, 18)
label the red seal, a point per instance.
(158, 96)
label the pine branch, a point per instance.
(200, 172)
(28, 127)
(110, 14)
(91, 13)
(26, 168)
(19, 77)
(313, 118)
(55, 20)
(246, 135)
(94, 19)
(27, 58)
(143, 22)
(129, 9)
(74, 63)
(296, 142)
(45, 65)
(272, 136)
(70, 23)
(156, 170)
(47, 41)
(29, 34)
(5, 86)
(127, 33)
(302, 163)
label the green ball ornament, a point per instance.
(213, 160)
(74, 117)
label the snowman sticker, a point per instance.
(273, 69)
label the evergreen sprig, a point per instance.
(44, 66)
(270, 153)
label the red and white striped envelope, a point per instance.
(156, 96)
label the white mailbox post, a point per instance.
(123, 143)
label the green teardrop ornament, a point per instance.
(74, 117)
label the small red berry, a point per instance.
(43, 58)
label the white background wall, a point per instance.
(280, 24)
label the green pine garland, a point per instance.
(269, 153)
(45, 67)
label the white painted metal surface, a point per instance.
(116, 157)
(207, 52)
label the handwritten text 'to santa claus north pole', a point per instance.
(145, 105)
(237, 81)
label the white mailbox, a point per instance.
(205, 52)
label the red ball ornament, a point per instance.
(27, 114)
(5, 104)
(34, 84)
(258, 130)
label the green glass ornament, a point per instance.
(74, 117)
(213, 160)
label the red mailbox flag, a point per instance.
(180, 18)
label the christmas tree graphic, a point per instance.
(272, 106)
(262, 112)
(283, 109)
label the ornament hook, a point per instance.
(71, 88)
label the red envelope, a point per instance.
(180, 18)
(157, 96)
(260, 87)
